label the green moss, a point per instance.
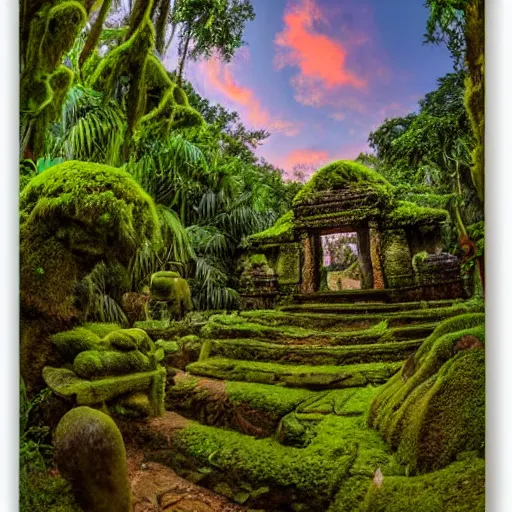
(90, 452)
(101, 329)
(94, 364)
(42, 492)
(274, 400)
(459, 487)
(347, 317)
(235, 326)
(408, 214)
(433, 409)
(281, 231)
(338, 175)
(169, 347)
(130, 339)
(313, 377)
(162, 284)
(288, 264)
(258, 259)
(71, 343)
(341, 447)
(49, 31)
(67, 384)
(90, 193)
(397, 259)
(449, 418)
(72, 216)
(253, 350)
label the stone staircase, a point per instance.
(276, 402)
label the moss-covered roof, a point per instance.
(410, 214)
(281, 231)
(342, 174)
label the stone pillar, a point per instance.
(375, 255)
(365, 262)
(309, 263)
(397, 259)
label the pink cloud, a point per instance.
(220, 77)
(309, 157)
(320, 59)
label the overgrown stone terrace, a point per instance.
(363, 400)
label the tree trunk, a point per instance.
(95, 33)
(184, 55)
(161, 25)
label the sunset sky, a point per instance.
(321, 74)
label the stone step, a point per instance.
(297, 376)
(255, 350)
(349, 296)
(365, 308)
(226, 327)
(341, 452)
(325, 318)
(250, 408)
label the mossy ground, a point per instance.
(264, 473)
(283, 424)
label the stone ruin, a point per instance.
(399, 242)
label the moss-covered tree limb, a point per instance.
(50, 30)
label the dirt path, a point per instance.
(157, 488)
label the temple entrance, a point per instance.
(337, 259)
(339, 262)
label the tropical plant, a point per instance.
(91, 128)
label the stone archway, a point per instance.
(312, 254)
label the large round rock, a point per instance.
(90, 453)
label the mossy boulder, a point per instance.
(169, 287)
(433, 410)
(73, 217)
(130, 339)
(93, 363)
(90, 453)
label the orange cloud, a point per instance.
(220, 77)
(321, 60)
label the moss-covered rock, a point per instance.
(433, 409)
(130, 339)
(169, 287)
(72, 216)
(65, 383)
(90, 453)
(93, 363)
(71, 343)
(407, 214)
